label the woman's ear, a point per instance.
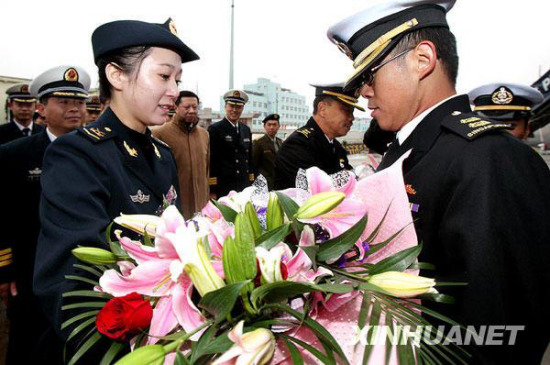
(426, 58)
(115, 76)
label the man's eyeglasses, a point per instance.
(368, 77)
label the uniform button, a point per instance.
(237, 161)
(246, 161)
(246, 150)
(238, 171)
(236, 150)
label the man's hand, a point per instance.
(6, 289)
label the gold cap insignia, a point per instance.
(236, 94)
(276, 116)
(131, 151)
(345, 50)
(71, 75)
(502, 96)
(25, 88)
(172, 27)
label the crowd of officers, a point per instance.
(111, 159)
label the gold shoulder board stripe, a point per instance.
(5, 251)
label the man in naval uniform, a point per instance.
(230, 148)
(63, 91)
(506, 102)
(315, 144)
(21, 105)
(266, 148)
(479, 197)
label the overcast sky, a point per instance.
(283, 40)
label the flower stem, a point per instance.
(180, 341)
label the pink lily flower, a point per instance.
(152, 277)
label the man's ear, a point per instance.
(426, 56)
(322, 106)
(40, 110)
(115, 76)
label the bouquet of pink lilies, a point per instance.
(259, 277)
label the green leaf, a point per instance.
(274, 216)
(421, 266)
(80, 327)
(337, 246)
(311, 252)
(220, 302)
(397, 262)
(81, 279)
(312, 350)
(115, 349)
(181, 360)
(89, 269)
(270, 239)
(378, 246)
(275, 292)
(115, 246)
(366, 305)
(374, 233)
(295, 354)
(250, 213)
(228, 213)
(78, 317)
(85, 347)
(197, 348)
(374, 320)
(220, 344)
(86, 293)
(147, 240)
(84, 305)
(336, 288)
(289, 206)
(319, 331)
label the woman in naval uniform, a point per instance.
(113, 165)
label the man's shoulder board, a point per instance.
(97, 134)
(471, 126)
(305, 131)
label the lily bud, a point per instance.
(320, 204)
(275, 214)
(152, 354)
(255, 347)
(139, 223)
(250, 214)
(94, 255)
(200, 270)
(403, 285)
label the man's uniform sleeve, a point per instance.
(295, 153)
(7, 265)
(214, 145)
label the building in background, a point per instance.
(267, 97)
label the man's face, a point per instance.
(271, 128)
(91, 116)
(188, 110)
(393, 97)
(63, 114)
(22, 112)
(521, 129)
(339, 117)
(233, 111)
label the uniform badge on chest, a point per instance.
(34, 174)
(228, 138)
(140, 197)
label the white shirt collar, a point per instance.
(21, 127)
(329, 140)
(51, 136)
(408, 128)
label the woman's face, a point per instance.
(152, 89)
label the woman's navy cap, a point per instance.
(120, 34)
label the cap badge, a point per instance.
(25, 88)
(71, 75)
(502, 96)
(236, 94)
(172, 27)
(276, 116)
(131, 151)
(345, 50)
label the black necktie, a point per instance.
(391, 155)
(26, 131)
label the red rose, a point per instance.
(124, 316)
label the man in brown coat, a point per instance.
(191, 148)
(265, 149)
